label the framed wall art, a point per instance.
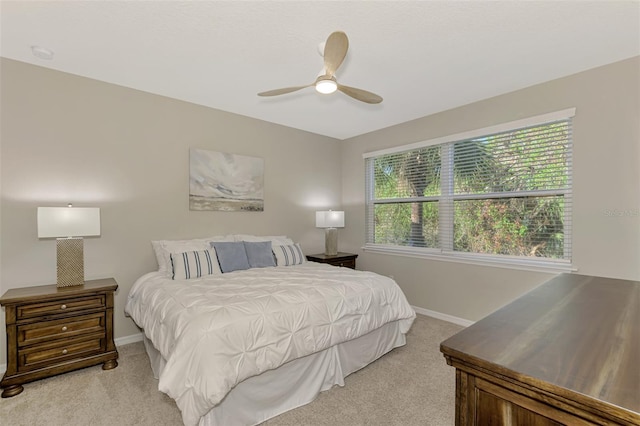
(225, 182)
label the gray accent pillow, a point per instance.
(231, 256)
(259, 254)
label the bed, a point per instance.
(239, 347)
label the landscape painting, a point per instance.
(225, 182)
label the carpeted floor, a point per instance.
(411, 385)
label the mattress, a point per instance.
(216, 332)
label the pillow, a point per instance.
(163, 249)
(194, 264)
(276, 240)
(231, 256)
(288, 255)
(259, 254)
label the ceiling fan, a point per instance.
(335, 50)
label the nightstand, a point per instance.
(346, 260)
(53, 330)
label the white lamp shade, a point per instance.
(330, 219)
(60, 222)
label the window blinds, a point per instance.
(504, 193)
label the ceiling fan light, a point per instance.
(326, 86)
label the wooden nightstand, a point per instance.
(346, 260)
(54, 330)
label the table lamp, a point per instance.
(69, 225)
(330, 220)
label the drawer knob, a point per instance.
(64, 328)
(64, 352)
(63, 307)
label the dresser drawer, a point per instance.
(70, 305)
(71, 327)
(42, 355)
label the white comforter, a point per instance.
(217, 331)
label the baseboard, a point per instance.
(445, 317)
(121, 341)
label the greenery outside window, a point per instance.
(496, 195)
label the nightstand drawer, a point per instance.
(35, 333)
(41, 355)
(346, 264)
(61, 307)
(344, 260)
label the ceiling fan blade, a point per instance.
(335, 49)
(359, 94)
(282, 91)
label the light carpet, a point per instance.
(411, 385)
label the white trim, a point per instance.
(134, 338)
(524, 264)
(498, 128)
(444, 317)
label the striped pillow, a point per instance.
(194, 264)
(288, 255)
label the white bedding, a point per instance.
(215, 332)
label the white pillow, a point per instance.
(194, 264)
(164, 248)
(276, 240)
(287, 255)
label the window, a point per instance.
(500, 194)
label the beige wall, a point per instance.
(606, 180)
(65, 138)
(71, 139)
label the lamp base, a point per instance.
(331, 241)
(70, 256)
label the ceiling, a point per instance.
(422, 57)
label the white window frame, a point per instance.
(446, 253)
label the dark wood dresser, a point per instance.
(53, 330)
(566, 353)
(346, 260)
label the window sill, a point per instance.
(548, 266)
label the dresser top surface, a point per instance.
(16, 295)
(574, 333)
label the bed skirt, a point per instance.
(295, 383)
